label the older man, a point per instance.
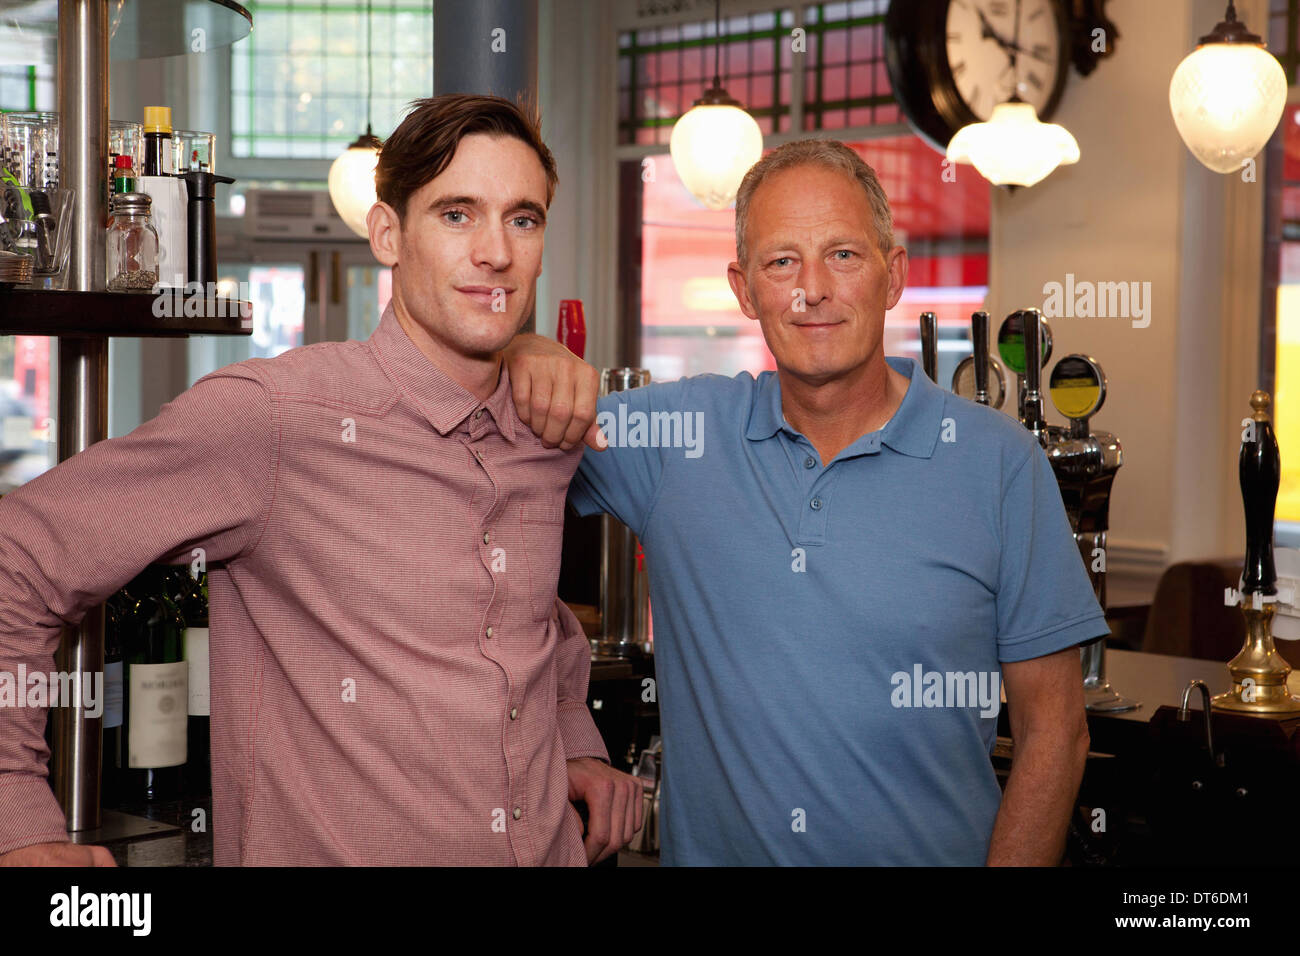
(845, 571)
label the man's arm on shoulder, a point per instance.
(1049, 729)
(554, 391)
(196, 476)
(549, 382)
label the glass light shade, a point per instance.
(712, 149)
(1227, 99)
(352, 186)
(1013, 148)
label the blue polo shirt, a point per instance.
(828, 640)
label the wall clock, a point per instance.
(951, 61)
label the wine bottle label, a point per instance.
(113, 694)
(157, 719)
(196, 652)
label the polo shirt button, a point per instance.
(514, 712)
(518, 813)
(816, 504)
(485, 537)
(810, 462)
(489, 632)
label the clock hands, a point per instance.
(988, 32)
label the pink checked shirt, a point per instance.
(393, 679)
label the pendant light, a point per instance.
(716, 141)
(1227, 96)
(1014, 148)
(352, 175)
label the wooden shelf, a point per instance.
(128, 314)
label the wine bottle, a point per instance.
(194, 608)
(156, 678)
(110, 778)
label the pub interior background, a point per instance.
(1221, 253)
(1138, 207)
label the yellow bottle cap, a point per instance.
(157, 119)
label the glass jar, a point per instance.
(132, 253)
(193, 150)
(124, 139)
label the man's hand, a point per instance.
(555, 392)
(58, 854)
(613, 805)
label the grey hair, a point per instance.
(828, 153)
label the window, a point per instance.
(27, 87)
(1280, 302)
(845, 80)
(1282, 337)
(662, 71)
(26, 361)
(286, 103)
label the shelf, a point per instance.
(140, 29)
(128, 314)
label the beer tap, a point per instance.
(930, 345)
(1085, 463)
(1259, 673)
(978, 376)
(1031, 386)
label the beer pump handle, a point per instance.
(1260, 469)
(1031, 406)
(979, 336)
(929, 345)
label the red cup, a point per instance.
(572, 327)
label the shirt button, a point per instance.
(485, 537)
(518, 813)
(479, 453)
(479, 413)
(514, 712)
(810, 462)
(816, 504)
(489, 632)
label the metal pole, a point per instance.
(82, 417)
(486, 46)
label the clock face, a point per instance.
(999, 47)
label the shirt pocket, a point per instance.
(541, 533)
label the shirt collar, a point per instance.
(914, 429)
(443, 402)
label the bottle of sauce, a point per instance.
(157, 141)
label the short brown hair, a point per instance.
(425, 142)
(830, 154)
